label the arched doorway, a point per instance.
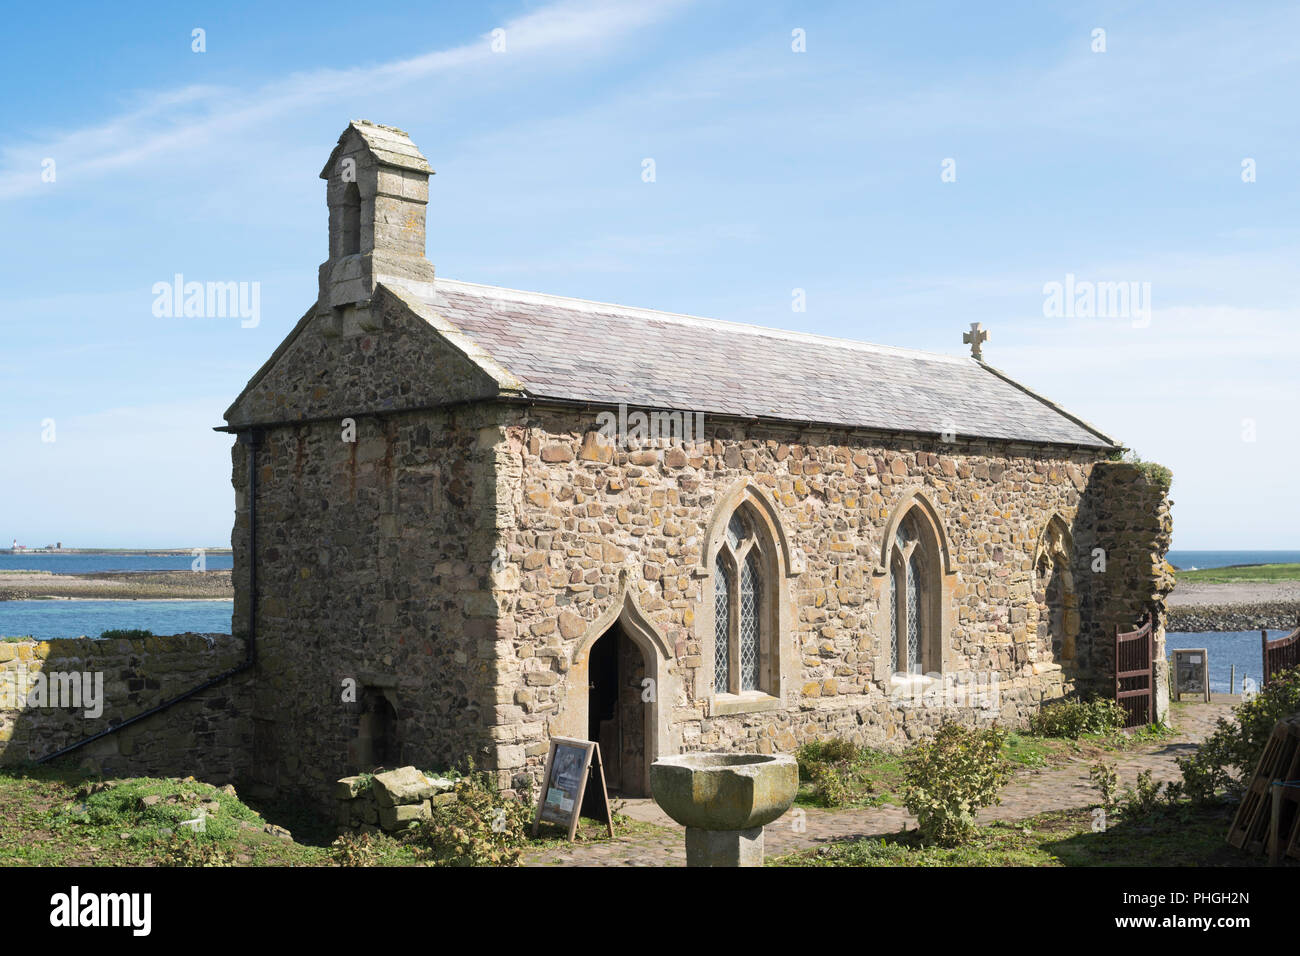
(622, 670)
(618, 716)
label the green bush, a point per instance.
(836, 769)
(1106, 780)
(1074, 718)
(1225, 760)
(1143, 797)
(484, 827)
(951, 776)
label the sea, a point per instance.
(1227, 649)
(47, 619)
(1199, 560)
(58, 563)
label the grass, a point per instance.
(51, 817)
(875, 777)
(1243, 573)
(1181, 835)
(872, 778)
(552, 836)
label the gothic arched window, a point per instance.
(742, 619)
(914, 586)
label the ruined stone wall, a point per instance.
(374, 559)
(206, 735)
(592, 519)
(1124, 517)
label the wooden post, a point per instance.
(1275, 825)
(1232, 679)
(1263, 637)
(1117, 670)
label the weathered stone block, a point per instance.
(406, 785)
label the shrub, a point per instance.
(951, 776)
(1106, 780)
(484, 827)
(835, 769)
(1142, 798)
(355, 849)
(1225, 760)
(190, 851)
(1074, 718)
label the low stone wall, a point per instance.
(1274, 615)
(55, 693)
(390, 801)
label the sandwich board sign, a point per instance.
(1191, 672)
(570, 765)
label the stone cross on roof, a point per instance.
(975, 338)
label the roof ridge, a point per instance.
(593, 305)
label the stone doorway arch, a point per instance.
(647, 688)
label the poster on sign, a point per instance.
(1192, 673)
(570, 765)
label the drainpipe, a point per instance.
(251, 439)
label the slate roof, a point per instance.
(589, 352)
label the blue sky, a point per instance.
(775, 171)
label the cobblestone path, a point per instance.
(1030, 792)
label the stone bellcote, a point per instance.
(377, 190)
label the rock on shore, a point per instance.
(1238, 606)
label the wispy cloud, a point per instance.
(174, 119)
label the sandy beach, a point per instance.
(1190, 594)
(147, 585)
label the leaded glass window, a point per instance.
(749, 604)
(913, 614)
(721, 627)
(910, 588)
(893, 618)
(740, 616)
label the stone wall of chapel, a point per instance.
(374, 564)
(589, 516)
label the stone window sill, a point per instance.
(746, 702)
(910, 682)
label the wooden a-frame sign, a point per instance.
(570, 763)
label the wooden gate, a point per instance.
(1134, 677)
(1281, 654)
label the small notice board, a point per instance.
(570, 765)
(1191, 673)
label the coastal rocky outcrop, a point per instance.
(1273, 615)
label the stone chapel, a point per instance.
(469, 518)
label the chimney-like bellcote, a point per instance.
(377, 190)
